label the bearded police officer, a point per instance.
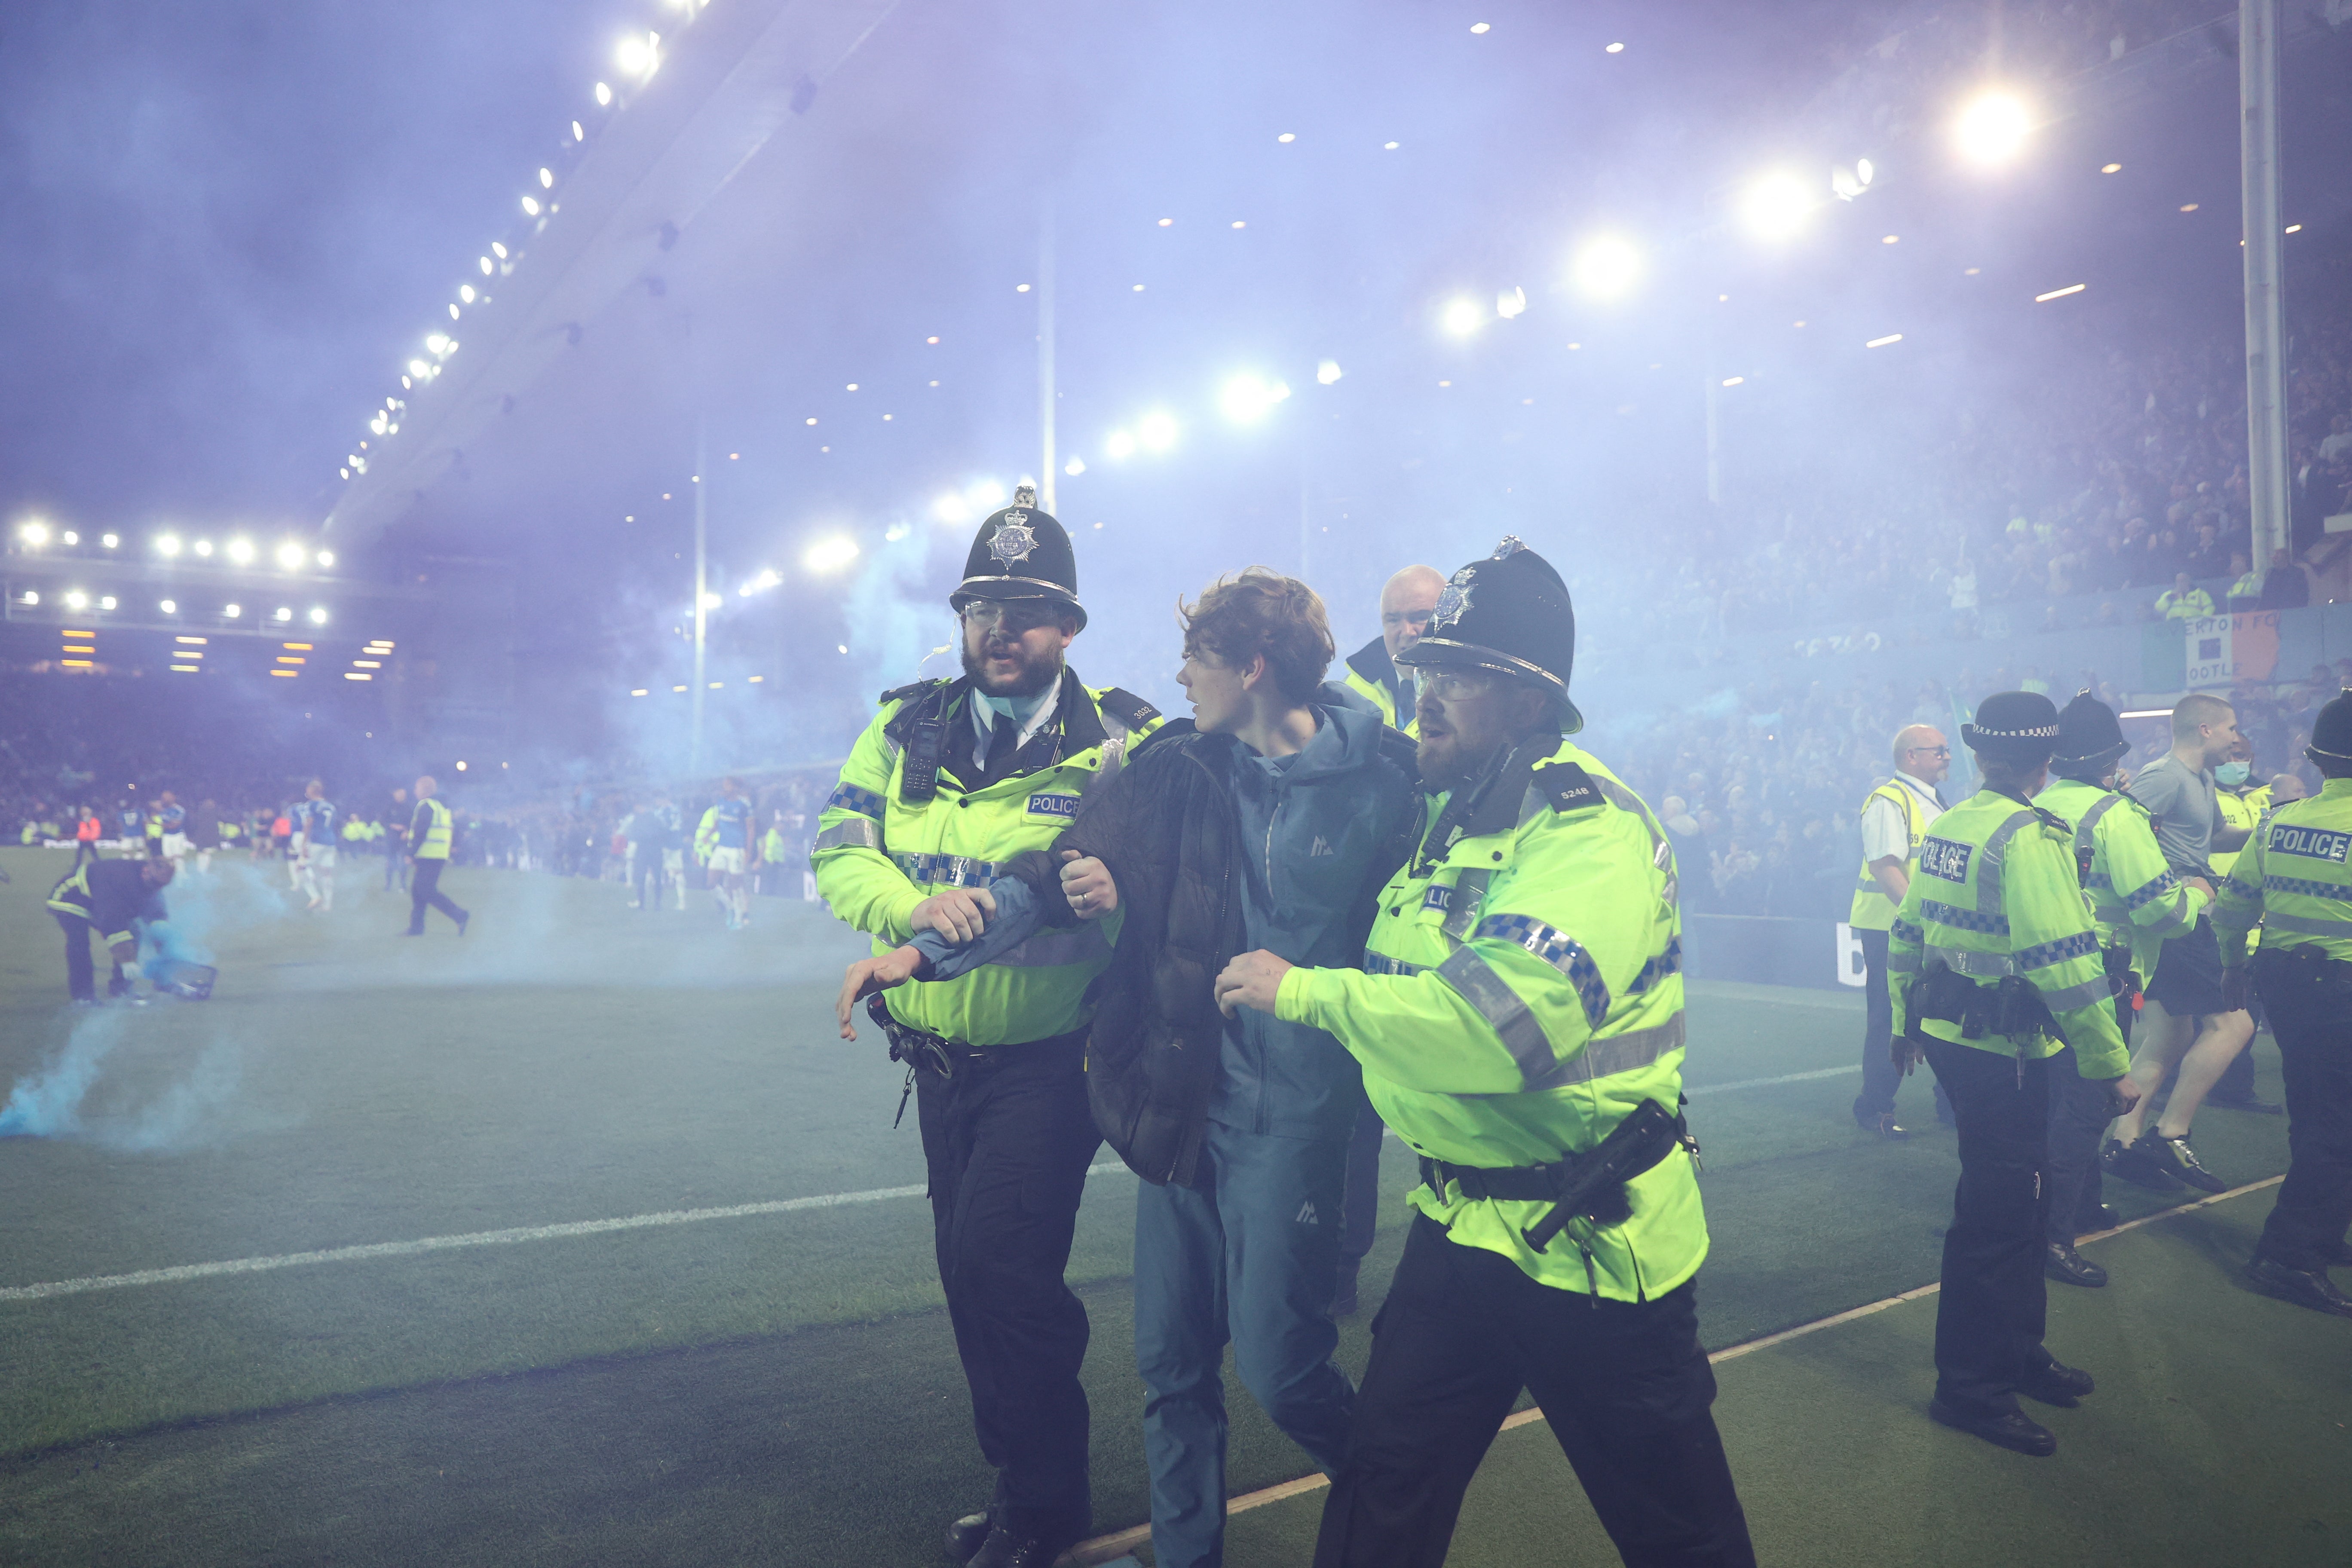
(2295, 878)
(1519, 1020)
(951, 779)
(2137, 904)
(1996, 970)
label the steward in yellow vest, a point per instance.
(1997, 970)
(1519, 1020)
(2295, 880)
(1406, 601)
(431, 831)
(1894, 821)
(951, 780)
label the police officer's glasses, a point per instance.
(1448, 687)
(988, 614)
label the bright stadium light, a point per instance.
(766, 580)
(30, 598)
(1606, 268)
(169, 607)
(77, 600)
(712, 601)
(1327, 372)
(1510, 302)
(639, 54)
(231, 611)
(1776, 206)
(167, 544)
(830, 554)
(437, 342)
(531, 207)
(984, 495)
(289, 555)
(1992, 128)
(1462, 317)
(1075, 467)
(205, 547)
(285, 613)
(110, 539)
(951, 508)
(35, 534)
(1157, 431)
(106, 603)
(1119, 445)
(326, 558)
(1246, 397)
(318, 616)
(603, 95)
(241, 551)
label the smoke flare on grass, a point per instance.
(56, 1101)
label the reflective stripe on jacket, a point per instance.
(1518, 1000)
(1871, 909)
(2135, 897)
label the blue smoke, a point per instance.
(56, 1101)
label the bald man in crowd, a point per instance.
(1894, 819)
(1406, 604)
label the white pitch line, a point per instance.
(445, 1243)
(186, 1271)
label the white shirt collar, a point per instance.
(983, 720)
(1918, 783)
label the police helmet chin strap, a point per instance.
(1466, 800)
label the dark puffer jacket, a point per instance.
(1167, 830)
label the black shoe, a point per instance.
(1343, 1298)
(2180, 1161)
(2011, 1429)
(966, 1536)
(2069, 1266)
(1883, 1127)
(2259, 1107)
(2311, 1289)
(1002, 1549)
(2059, 1384)
(2134, 1163)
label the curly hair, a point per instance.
(1257, 612)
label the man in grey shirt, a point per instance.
(2185, 1024)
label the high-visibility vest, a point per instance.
(2240, 810)
(436, 845)
(1871, 909)
(2294, 876)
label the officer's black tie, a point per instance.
(1004, 737)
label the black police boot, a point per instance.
(2068, 1266)
(2059, 1384)
(2180, 1161)
(1002, 1549)
(2136, 1164)
(2311, 1289)
(2011, 1429)
(965, 1537)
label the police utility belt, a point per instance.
(2309, 966)
(945, 1059)
(2011, 1006)
(1590, 1186)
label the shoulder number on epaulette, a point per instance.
(1568, 786)
(1127, 708)
(2053, 821)
(909, 689)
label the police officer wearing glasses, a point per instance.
(951, 780)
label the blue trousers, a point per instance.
(1249, 1254)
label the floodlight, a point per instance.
(951, 508)
(1119, 445)
(107, 603)
(35, 534)
(289, 555)
(203, 547)
(326, 558)
(1776, 206)
(169, 607)
(285, 613)
(830, 554)
(167, 544)
(1157, 431)
(231, 611)
(1327, 371)
(984, 495)
(1462, 317)
(1992, 128)
(1075, 467)
(1246, 397)
(1510, 302)
(1607, 267)
(77, 600)
(318, 616)
(110, 539)
(240, 550)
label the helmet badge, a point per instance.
(1453, 602)
(1014, 539)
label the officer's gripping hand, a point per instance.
(1905, 1053)
(1251, 980)
(1086, 883)
(959, 914)
(2122, 1095)
(2237, 989)
(868, 975)
(2201, 884)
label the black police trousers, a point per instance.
(1624, 1385)
(1007, 1139)
(1880, 1078)
(425, 892)
(2314, 1031)
(81, 976)
(1990, 1314)
(2078, 1119)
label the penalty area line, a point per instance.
(187, 1271)
(1108, 1549)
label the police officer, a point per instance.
(1407, 600)
(1519, 1020)
(2243, 804)
(2136, 903)
(430, 832)
(1894, 819)
(109, 898)
(953, 778)
(1996, 970)
(2295, 878)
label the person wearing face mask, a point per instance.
(951, 779)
